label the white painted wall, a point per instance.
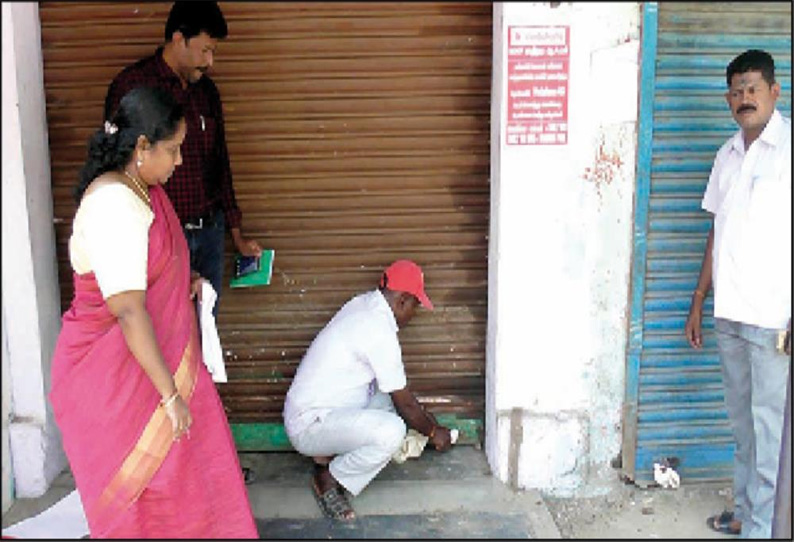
(8, 480)
(560, 248)
(30, 305)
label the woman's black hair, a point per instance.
(145, 111)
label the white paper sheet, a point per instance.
(414, 444)
(210, 342)
(64, 519)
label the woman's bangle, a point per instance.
(432, 433)
(167, 402)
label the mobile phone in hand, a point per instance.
(247, 265)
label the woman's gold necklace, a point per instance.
(141, 189)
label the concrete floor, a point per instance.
(451, 495)
(631, 512)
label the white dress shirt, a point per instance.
(355, 353)
(749, 194)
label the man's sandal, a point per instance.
(722, 523)
(333, 503)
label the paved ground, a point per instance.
(455, 492)
(630, 512)
(451, 496)
(444, 525)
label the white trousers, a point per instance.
(362, 440)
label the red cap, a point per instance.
(406, 276)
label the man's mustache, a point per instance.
(744, 108)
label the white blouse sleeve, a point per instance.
(112, 238)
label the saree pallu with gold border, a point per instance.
(134, 480)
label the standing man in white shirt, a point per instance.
(748, 258)
(340, 408)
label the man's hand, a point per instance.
(196, 281)
(442, 439)
(246, 247)
(416, 417)
(249, 247)
(693, 327)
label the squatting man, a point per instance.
(349, 403)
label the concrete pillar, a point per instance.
(559, 253)
(31, 304)
(8, 482)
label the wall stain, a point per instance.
(606, 167)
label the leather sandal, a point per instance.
(722, 523)
(333, 503)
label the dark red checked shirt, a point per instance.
(204, 180)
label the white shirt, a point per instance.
(749, 194)
(110, 236)
(355, 352)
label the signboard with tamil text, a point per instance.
(538, 68)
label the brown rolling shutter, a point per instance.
(358, 134)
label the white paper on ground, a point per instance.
(64, 519)
(414, 444)
(210, 342)
(666, 476)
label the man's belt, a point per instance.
(203, 221)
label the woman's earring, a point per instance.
(139, 163)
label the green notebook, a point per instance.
(253, 271)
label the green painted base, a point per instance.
(260, 437)
(271, 437)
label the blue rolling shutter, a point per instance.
(674, 400)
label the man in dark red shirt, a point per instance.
(201, 188)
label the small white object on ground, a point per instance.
(414, 444)
(665, 476)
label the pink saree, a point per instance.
(134, 480)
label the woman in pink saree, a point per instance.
(143, 426)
